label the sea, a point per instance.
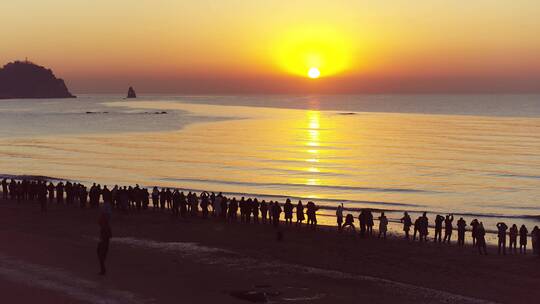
(473, 156)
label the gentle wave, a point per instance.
(370, 189)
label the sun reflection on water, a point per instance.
(313, 140)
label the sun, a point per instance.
(314, 73)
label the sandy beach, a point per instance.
(154, 258)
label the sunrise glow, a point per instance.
(314, 73)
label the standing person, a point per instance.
(523, 232)
(144, 197)
(439, 219)
(4, 189)
(474, 231)
(362, 219)
(299, 213)
(264, 210)
(217, 205)
(370, 223)
(448, 228)
(534, 240)
(416, 229)
(60, 193)
(383, 225)
(461, 224)
(12, 189)
(50, 189)
(288, 210)
(277, 213)
(312, 214)
(168, 198)
(271, 211)
(105, 235)
(501, 227)
(256, 208)
(162, 198)
(83, 196)
(155, 198)
(224, 207)
(233, 209)
(424, 223)
(339, 216)
(407, 223)
(176, 203)
(481, 239)
(183, 204)
(205, 201)
(513, 233)
(248, 208)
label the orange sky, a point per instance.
(233, 46)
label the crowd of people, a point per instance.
(205, 204)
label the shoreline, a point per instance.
(328, 218)
(338, 268)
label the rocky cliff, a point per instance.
(23, 79)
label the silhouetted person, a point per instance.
(224, 207)
(155, 198)
(299, 213)
(288, 210)
(105, 235)
(233, 209)
(60, 193)
(362, 219)
(176, 203)
(370, 223)
(523, 232)
(276, 214)
(183, 204)
(481, 239)
(50, 190)
(417, 228)
(217, 205)
(474, 231)
(512, 234)
(205, 202)
(407, 223)
(339, 216)
(4, 189)
(535, 233)
(423, 229)
(255, 211)
(145, 198)
(168, 198)
(264, 211)
(42, 195)
(311, 214)
(439, 219)
(383, 225)
(349, 222)
(501, 234)
(461, 224)
(13, 189)
(448, 228)
(162, 198)
(83, 196)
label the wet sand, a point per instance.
(51, 258)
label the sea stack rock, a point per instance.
(131, 93)
(24, 79)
